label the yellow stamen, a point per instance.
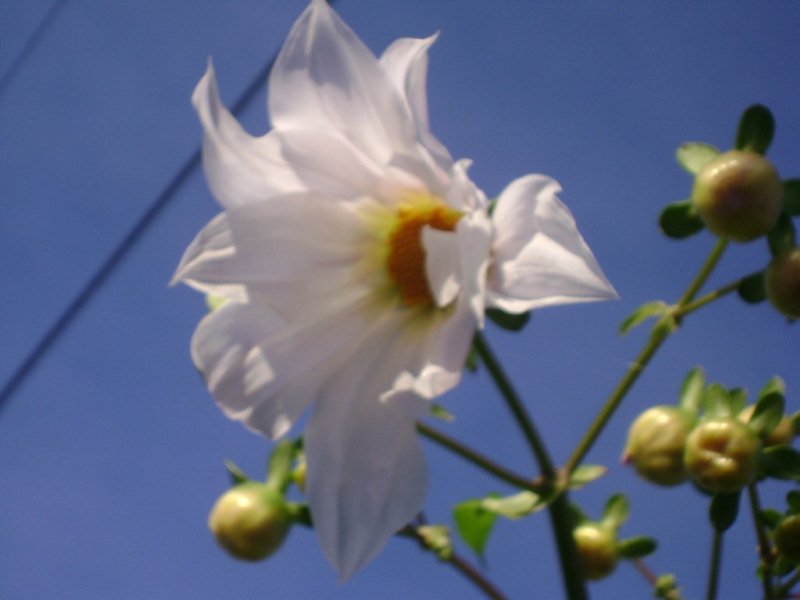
(405, 261)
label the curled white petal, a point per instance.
(540, 258)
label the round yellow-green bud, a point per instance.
(782, 281)
(783, 434)
(250, 521)
(722, 455)
(738, 195)
(597, 550)
(656, 443)
(787, 538)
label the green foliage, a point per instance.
(693, 156)
(756, 129)
(440, 412)
(680, 220)
(636, 547)
(718, 402)
(782, 237)
(793, 502)
(723, 510)
(515, 506)
(752, 289)
(615, 512)
(474, 524)
(691, 394)
(648, 310)
(236, 475)
(585, 474)
(769, 408)
(781, 462)
(791, 197)
(508, 321)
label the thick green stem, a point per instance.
(559, 508)
(660, 333)
(764, 547)
(713, 571)
(478, 459)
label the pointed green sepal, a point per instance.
(769, 408)
(717, 402)
(693, 156)
(615, 512)
(648, 310)
(236, 475)
(585, 474)
(756, 129)
(793, 502)
(692, 390)
(636, 547)
(508, 321)
(440, 412)
(723, 510)
(781, 462)
(680, 220)
(515, 506)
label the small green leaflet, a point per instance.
(693, 156)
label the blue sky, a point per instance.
(111, 453)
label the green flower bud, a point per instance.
(787, 538)
(597, 550)
(656, 443)
(738, 195)
(722, 455)
(783, 434)
(250, 521)
(783, 283)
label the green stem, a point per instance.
(707, 299)
(713, 572)
(786, 587)
(478, 459)
(559, 508)
(517, 407)
(660, 333)
(764, 548)
(458, 563)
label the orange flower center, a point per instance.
(406, 258)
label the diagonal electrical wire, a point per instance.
(34, 39)
(118, 254)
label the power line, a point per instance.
(123, 248)
(34, 39)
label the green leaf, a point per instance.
(692, 390)
(515, 506)
(508, 321)
(693, 156)
(471, 363)
(615, 512)
(770, 517)
(791, 196)
(737, 400)
(648, 310)
(585, 474)
(783, 566)
(723, 510)
(680, 220)
(440, 412)
(756, 129)
(636, 547)
(793, 502)
(782, 237)
(769, 408)
(474, 524)
(752, 288)
(781, 462)
(717, 402)
(236, 475)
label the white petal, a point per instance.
(329, 164)
(240, 168)
(299, 253)
(366, 474)
(463, 194)
(474, 242)
(406, 63)
(441, 264)
(326, 79)
(540, 258)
